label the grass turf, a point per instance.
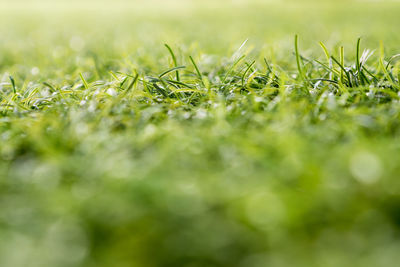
(117, 150)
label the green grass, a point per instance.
(153, 134)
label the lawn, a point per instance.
(199, 133)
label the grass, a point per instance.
(118, 150)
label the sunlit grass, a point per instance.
(155, 135)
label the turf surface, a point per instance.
(152, 134)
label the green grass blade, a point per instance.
(341, 57)
(171, 70)
(328, 57)
(370, 74)
(196, 68)
(85, 84)
(343, 71)
(298, 60)
(173, 60)
(232, 67)
(391, 60)
(51, 87)
(387, 74)
(134, 81)
(247, 69)
(268, 66)
(358, 55)
(13, 84)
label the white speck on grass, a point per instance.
(201, 114)
(150, 130)
(258, 99)
(92, 107)
(111, 92)
(366, 167)
(45, 92)
(322, 117)
(76, 43)
(35, 71)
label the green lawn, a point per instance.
(151, 133)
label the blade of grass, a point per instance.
(387, 74)
(85, 84)
(173, 60)
(328, 57)
(391, 60)
(358, 66)
(344, 71)
(238, 51)
(171, 70)
(244, 74)
(330, 69)
(13, 84)
(232, 67)
(51, 87)
(197, 69)
(268, 66)
(296, 49)
(359, 73)
(133, 82)
(370, 74)
(341, 64)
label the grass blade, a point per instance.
(84, 81)
(358, 66)
(173, 60)
(196, 68)
(341, 63)
(13, 84)
(244, 74)
(298, 60)
(343, 70)
(171, 70)
(133, 82)
(232, 67)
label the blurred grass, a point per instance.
(142, 23)
(95, 174)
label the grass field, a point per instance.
(199, 133)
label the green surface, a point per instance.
(117, 150)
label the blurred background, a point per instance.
(45, 32)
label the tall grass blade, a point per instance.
(341, 64)
(244, 74)
(358, 66)
(173, 60)
(171, 70)
(196, 68)
(343, 71)
(85, 84)
(298, 59)
(328, 58)
(13, 84)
